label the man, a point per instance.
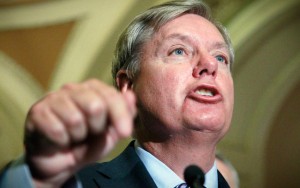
(172, 68)
(227, 170)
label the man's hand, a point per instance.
(74, 126)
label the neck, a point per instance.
(181, 150)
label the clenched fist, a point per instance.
(74, 126)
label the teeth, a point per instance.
(205, 92)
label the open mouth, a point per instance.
(205, 92)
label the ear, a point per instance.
(123, 81)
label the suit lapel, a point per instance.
(222, 183)
(127, 170)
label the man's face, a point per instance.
(185, 81)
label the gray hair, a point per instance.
(142, 28)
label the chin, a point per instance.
(207, 124)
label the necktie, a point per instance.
(184, 185)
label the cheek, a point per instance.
(164, 78)
(149, 86)
(175, 82)
(228, 90)
(231, 91)
(167, 86)
(160, 89)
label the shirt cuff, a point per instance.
(17, 174)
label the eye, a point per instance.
(221, 59)
(178, 51)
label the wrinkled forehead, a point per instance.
(191, 28)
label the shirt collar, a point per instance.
(211, 177)
(163, 176)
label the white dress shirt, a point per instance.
(164, 177)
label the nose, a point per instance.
(206, 65)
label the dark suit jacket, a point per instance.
(127, 170)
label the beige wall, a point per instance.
(44, 44)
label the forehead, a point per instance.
(191, 26)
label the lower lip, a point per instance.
(205, 99)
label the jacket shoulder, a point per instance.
(126, 170)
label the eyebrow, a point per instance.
(215, 45)
(220, 45)
(178, 36)
(174, 36)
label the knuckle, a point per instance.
(93, 81)
(69, 86)
(59, 97)
(96, 108)
(56, 132)
(37, 108)
(53, 96)
(112, 94)
(74, 119)
(117, 99)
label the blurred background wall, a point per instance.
(46, 43)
